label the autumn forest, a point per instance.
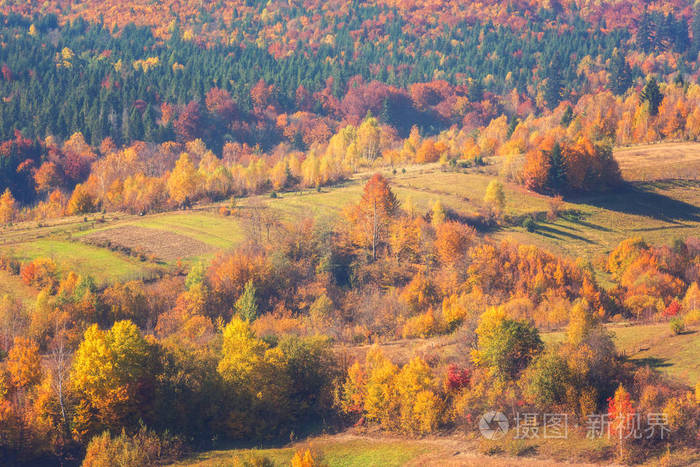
(347, 233)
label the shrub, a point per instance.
(457, 378)
(555, 206)
(423, 325)
(505, 346)
(143, 448)
(40, 273)
(252, 460)
(303, 459)
(673, 308)
(677, 326)
(529, 224)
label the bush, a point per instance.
(677, 326)
(252, 460)
(423, 325)
(529, 224)
(143, 448)
(303, 459)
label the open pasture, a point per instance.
(664, 161)
(103, 265)
(655, 345)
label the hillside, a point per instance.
(659, 207)
(377, 232)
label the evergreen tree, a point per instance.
(695, 28)
(246, 306)
(620, 74)
(652, 94)
(645, 33)
(568, 116)
(553, 86)
(556, 178)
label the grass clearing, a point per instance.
(659, 212)
(332, 452)
(655, 345)
(214, 230)
(217, 231)
(660, 161)
(103, 265)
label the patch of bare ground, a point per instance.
(662, 161)
(162, 245)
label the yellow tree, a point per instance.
(8, 209)
(369, 139)
(420, 406)
(256, 378)
(495, 197)
(183, 180)
(112, 378)
(381, 402)
(81, 201)
(24, 363)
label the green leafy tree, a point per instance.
(505, 346)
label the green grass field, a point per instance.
(590, 226)
(103, 265)
(216, 231)
(331, 452)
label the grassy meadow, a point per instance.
(103, 265)
(657, 346)
(650, 206)
(331, 450)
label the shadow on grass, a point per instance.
(640, 199)
(201, 451)
(653, 362)
(551, 232)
